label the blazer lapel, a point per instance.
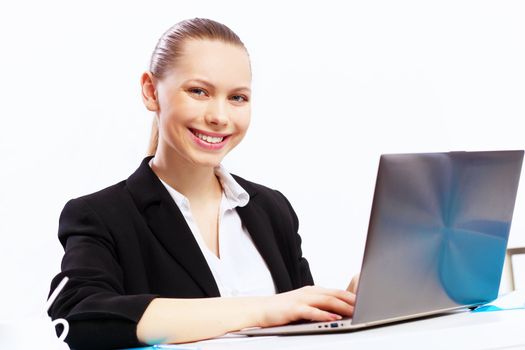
(169, 226)
(256, 220)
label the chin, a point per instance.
(208, 163)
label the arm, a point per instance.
(100, 312)
(300, 261)
(103, 314)
(185, 320)
(303, 276)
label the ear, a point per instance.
(149, 92)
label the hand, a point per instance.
(352, 287)
(307, 303)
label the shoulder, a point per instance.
(140, 188)
(104, 207)
(111, 196)
(261, 191)
(271, 200)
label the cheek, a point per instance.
(180, 112)
(243, 120)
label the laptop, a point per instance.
(436, 240)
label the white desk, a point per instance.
(466, 330)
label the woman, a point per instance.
(152, 258)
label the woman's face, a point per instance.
(204, 103)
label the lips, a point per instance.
(209, 140)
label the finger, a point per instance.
(331, 304)
(344, 295)
(352, 287)
(315, 314)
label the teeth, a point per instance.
(209, 139)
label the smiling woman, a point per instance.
(202, 105)
(152, 258)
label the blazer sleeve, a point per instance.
(94, 302)
(301, 276)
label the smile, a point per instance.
(207, 138)
(209, 141)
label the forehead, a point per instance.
(220, 63)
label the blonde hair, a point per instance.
(170, 46)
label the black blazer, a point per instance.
(129, 243)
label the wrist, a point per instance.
(254, 310)
(261, 310)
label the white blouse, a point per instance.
(240, 270)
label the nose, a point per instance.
(217, 113)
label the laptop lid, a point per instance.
(438, 233)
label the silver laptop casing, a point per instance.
(436, 240)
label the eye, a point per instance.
(198, 92)
(239, 98)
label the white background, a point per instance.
(335, 85)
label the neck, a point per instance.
(195, 182)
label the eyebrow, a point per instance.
(210, 85)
